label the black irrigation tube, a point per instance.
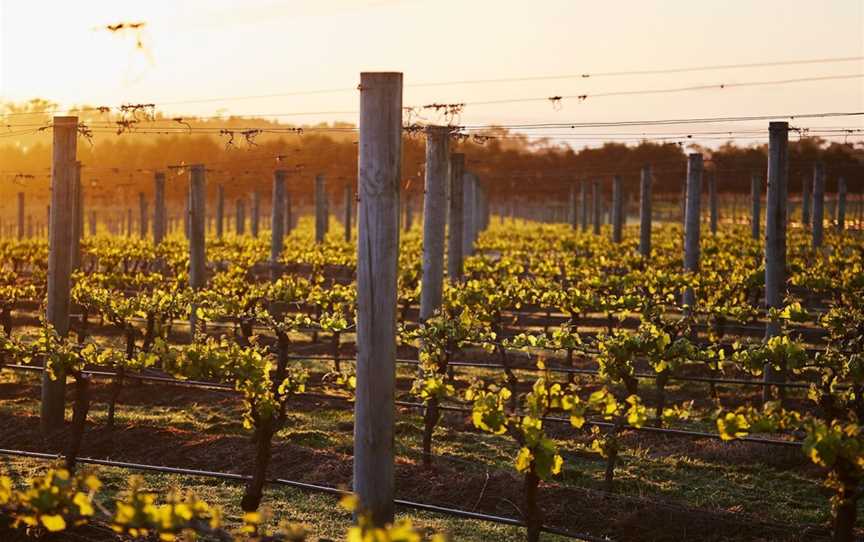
(305, 486)
(409, 404)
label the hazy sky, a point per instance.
(219, 48)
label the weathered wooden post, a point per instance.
(755, 205)
(240, 219)
(841, 203)
(380, 150)
(692, 221)
(775, 233)
(645, 212)
(349, 202)
(256, 214)
(712, 202)
(277, 223)
(220, 211)
(595, 203)
(617, 209)
(59, 262)
(21, 215)
(142, 215)
(320, 209)
(818, 203)
(289, 215)
(454, 241)
(583, 202)
(159, 214)
(434, 216)
(197, 213)
(469, 213)
(77, 217)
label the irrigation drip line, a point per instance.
(409, 404)
(317, 488)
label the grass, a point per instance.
(706, 475)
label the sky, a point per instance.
(207, 54)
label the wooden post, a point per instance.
(755, 205)
(841, 203)
(320, 209)
(20, 215)
(197, 213)
(805, 201)
(469, 213)
(454, 241)
(818, 203)
(692, 220)
(617, 209)
(289, 215)
(434, 216)
(583, 200)
(220, 211)
(377, 258)
(240, 219)
(277, 222)
(159, 216)
(349, 202)
(256, 214)
(775, 232)
(645, 212)
(59, 262)
(712, 202)
(143, 226)
(77, 217)
(595, 203)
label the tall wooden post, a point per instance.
(159, 215)
(617, 209)
(595, 204)
(349, 202)
(818, 203)
(240, 219)
(59, 262)
(434, 216)
(455, 226)
(277, 222)
(775, 232)
(755, 205)
(289, 214)
(220, 211)
(21, 215)
(197, 214)
(645, 212)
(320, 209)
(583, 202)
(692, 220)
(77, 217)
(841, 203)
(469, 213)
(377, 258)
(143, 226)
(712, 202)
(256, 214)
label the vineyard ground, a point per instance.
(732, 492)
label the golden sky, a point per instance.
(197, 50)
